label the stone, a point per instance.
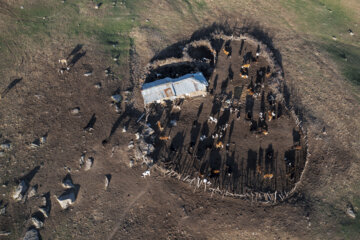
(148, 131)
(350, 213)
(3, 210)
(32, 192)
(37, 223)
(131, 144)
(82, 160)
(107, 180)
(146, 173)
(21, 189)
(5, 146)
(32, 234)
(75, 111)
(43, 139)
(116, 98)
(131, 163)
(44, 211)
(67, 182)
(67, 198)
(88, 164)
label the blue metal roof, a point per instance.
(171, 88)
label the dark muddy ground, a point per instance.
(244, 150)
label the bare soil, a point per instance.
(247, 160)
(160, 207)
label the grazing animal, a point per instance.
(226, 52)
(159, 126)
(164, 138)
(219, 145)
(298, 147)
(271, 115)
(250, 91)
(268, 176)
(244, 76)
(63, 61)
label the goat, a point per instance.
(245, 65)
(164, 138)
(219, 145)
(63, 61)
(268, 176)
(159, 126)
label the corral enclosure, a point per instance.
(240, 137)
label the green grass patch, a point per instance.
(350, 228)
(347, 57)
(323, 19)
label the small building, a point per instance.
(189, 85)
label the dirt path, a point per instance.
(127, 209)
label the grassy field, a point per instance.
(320, 21)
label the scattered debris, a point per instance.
(124, 129)
(20, 190)
(148, 131)
(351, 32)
(75, 111)
(88, 164)
(131, 144)
(334, 38)
(37, 223)
(32, 234)
(146, 173)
